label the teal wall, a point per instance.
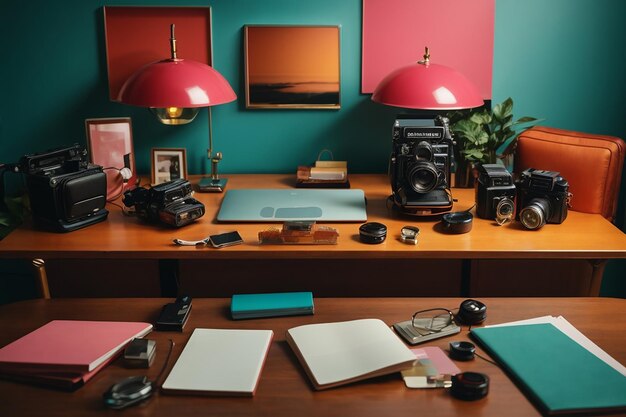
(561, 60)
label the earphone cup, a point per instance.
(472, 312)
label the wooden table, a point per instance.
(284, 389)
(581, 237)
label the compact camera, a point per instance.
(65, 191)
(543, 197)
(170, 203)
(419, 167)
(495, 193)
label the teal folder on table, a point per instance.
(557, 372)
(247, 306)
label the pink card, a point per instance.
(439, 359)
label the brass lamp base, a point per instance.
(209, 185)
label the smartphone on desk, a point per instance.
(225, 239)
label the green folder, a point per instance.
(560, 375)
(247, 306)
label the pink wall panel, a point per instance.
(459, 34)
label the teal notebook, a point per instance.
(558, 373)
(247, 306)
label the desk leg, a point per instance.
(598, 266)
(168, 276)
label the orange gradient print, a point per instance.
(292, 66)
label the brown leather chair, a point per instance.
(592, 164)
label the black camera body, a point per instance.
(65, 191)
(495, 193)
(543, 197)
(420, 166)
(170, 203)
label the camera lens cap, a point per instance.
(469, 386)
(372, 232)
(457, 222)
(462, 351)
(472, 312)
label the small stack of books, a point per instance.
(65, 354)
(325, 174)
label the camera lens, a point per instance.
(423, 150)
(504, 211)
(534, 215)
(423, 176)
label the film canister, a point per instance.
(372, 232)
(469, 386)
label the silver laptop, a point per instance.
(274, 205)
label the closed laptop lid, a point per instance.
(277, 205)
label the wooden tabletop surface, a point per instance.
(582, 236)
(284, 389)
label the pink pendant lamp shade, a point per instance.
(174, 89)
(176, 83)
(427, 86)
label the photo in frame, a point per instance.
(292, 67)
(110, 145)
(168, 164)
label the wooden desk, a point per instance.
(581, 238)
(284, 389)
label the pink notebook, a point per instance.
(69, 345)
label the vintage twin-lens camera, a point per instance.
(495, 193)
(170, 202)
(419, 167)
(65, 191)
(543, 197)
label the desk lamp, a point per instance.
(174, 90)
(420, 165)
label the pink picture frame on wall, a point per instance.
(459, 34)
(110, 145)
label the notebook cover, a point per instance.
(558, 373)
(220, 362)
(272, 304)
(69, 345)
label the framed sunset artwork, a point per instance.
(292, 67)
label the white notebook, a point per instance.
(338, 353)
(220, 361)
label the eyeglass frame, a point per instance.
(430, 329)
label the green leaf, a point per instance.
(503, 110)
(525, 119)
(481, 118)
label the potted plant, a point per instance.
(484, 137)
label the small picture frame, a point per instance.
(110, 145)
(168, 164)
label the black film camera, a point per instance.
(542, 198)
(65, 191)
(170, 203)
(419, 167)
(495, 193)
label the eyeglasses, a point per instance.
(433, 320)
